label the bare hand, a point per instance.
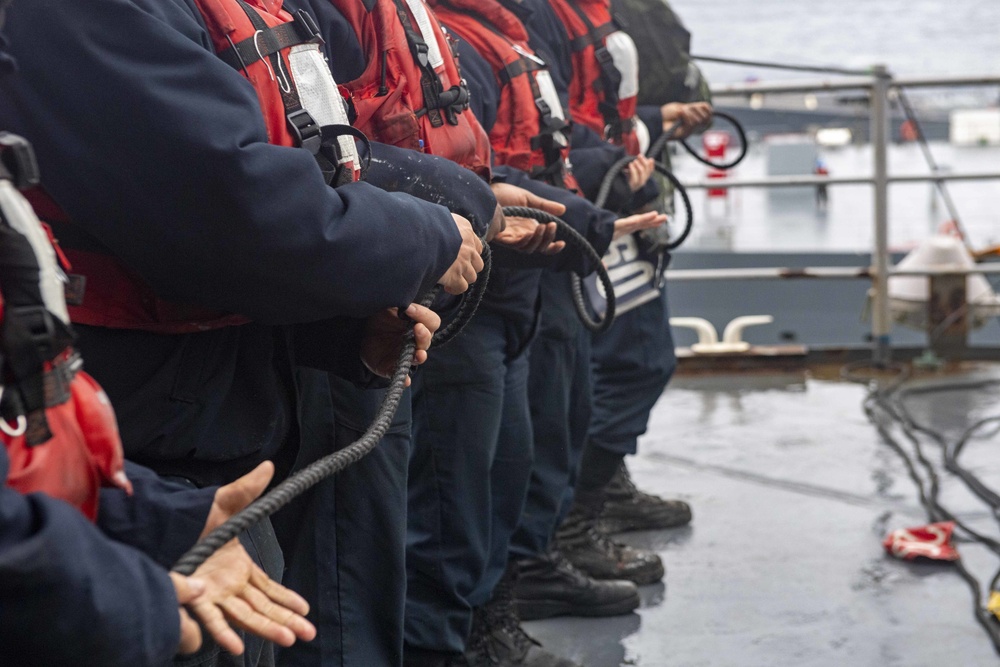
(497, 224)
(466, 267)
(235, 496)
(187, 590)
(638, 172)
(528, 235)
(234, 590)
(240, 594)
(511, 195)
(638, 222)
(692, 116)
(384, 338)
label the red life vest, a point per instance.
(56, 424)
(411, 93)
(604, 88)
(531, 132)
(259, 39)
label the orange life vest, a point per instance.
(411, 93)
(255, 37)
(596, 98)
(531, 132)
(56, 424)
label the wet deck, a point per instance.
(783, 565)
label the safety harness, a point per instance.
(531, 132)
(596, 89)
(273, 49)
(56, 424)
(412, 93)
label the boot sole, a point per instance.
(640, 578)
(614, 525)
(533, 610)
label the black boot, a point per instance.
(597, 555)
(550, 586)
(627, 508)
(498, 640)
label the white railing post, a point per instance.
(881, 318)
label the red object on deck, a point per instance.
(932, 541)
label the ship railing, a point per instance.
(880, 85)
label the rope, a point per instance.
(617, 167)
(329, 465)
(657, 147)
(577, 240)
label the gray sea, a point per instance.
(912, 37)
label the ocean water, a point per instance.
(912, 37)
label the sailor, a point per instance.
(116, 605)
(204, 228)
(632, 363)
(520, 107)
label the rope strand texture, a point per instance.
(333, 463)
(579, 242)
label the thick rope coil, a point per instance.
(578, 241)
(657, 148)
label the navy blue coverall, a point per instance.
(157, 151)
(560, 379)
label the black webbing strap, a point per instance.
(268, 41)
(594, 37)
(303, 31)
(611, 78)
(436, 99)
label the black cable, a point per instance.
(579, 242)
(891, 401)
(609, 179)
(329, 465)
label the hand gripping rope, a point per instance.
(577, 240)
(333, 463)
(661, 142)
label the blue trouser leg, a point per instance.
(457, 401)
(509, 474)
(633, 362)
(345, 540)
(559, 396)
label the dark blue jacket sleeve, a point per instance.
(180, 181)
(162, 519)
(653, 119)
(595, 224)
(423, 176)
(71, 596)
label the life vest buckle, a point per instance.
(305, 130)
(17, 161)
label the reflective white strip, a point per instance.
(427, 31)
(549, 94)
(318, 94)
(22, 219)
(626, 59)
(642, 132)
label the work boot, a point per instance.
(498, 640)
(626, 508)
(595, 554)
(549, 586)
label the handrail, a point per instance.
(792, 181)
(849, 83)
(878, 85)
(814, 272)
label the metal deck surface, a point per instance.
(792, 493)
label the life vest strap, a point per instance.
(595, 35)
(269, 41)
